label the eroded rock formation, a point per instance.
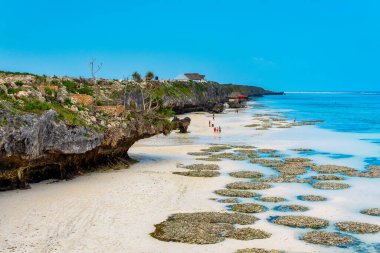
(181, 124)
(48, 148)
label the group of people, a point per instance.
(217, 129)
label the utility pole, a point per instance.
(96, 71)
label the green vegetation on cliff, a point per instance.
(108, 102)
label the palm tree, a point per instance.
(136, 77)
(149, 76)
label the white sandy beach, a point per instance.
(115, 211)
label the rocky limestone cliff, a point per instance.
(207, 97)
(47, 148)
(211, 96)
(58, 127)
(250, 90)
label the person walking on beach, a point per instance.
(213, 116)
(220, 129)
(214, 129)
(209, 123)
(237, 110)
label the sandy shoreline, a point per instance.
(115, 211)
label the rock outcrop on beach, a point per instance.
(58, 127)
(181, 124)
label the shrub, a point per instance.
(136, 77)
(86, 90)
(166, 112)
(55, 82)
(80, 107)
(49, 91)
(41, 79)
(36, 106)
(71, 87)
(19, 83)
(69, 116)
(67, 101)
(11, 91)
(149, 76)
(4, 121)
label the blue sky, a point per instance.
(278, 44)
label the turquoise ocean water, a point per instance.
(349, 112)
(357, 112)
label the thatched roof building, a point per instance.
(191, 77)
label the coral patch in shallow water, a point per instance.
(300, 221)
(327, 238)
(198, 173)
(311, 198)
(228, 156)
(191, 232)
(303, 149)
(283, 179)
(331, 169)
(266, 162)
(273, 199)
(236, 193)
(357, 227)
(244, 146)
(371, 211)
(202, 167)
(208, 159)
(330, 186)
(297, 160)
(248, 186)
(198, 153)
(199, 228)
(266, 150)
(215, 217)
(245, 151)
(228, 200)
(276, 155)
(372, 172)
(246, 174)
(216, 148)
(200, 170)
(257, 250)
(247, 234)
(291, 208)
(248, 208)
(327, 177)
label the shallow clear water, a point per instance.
(340, 140)
(343, 112)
